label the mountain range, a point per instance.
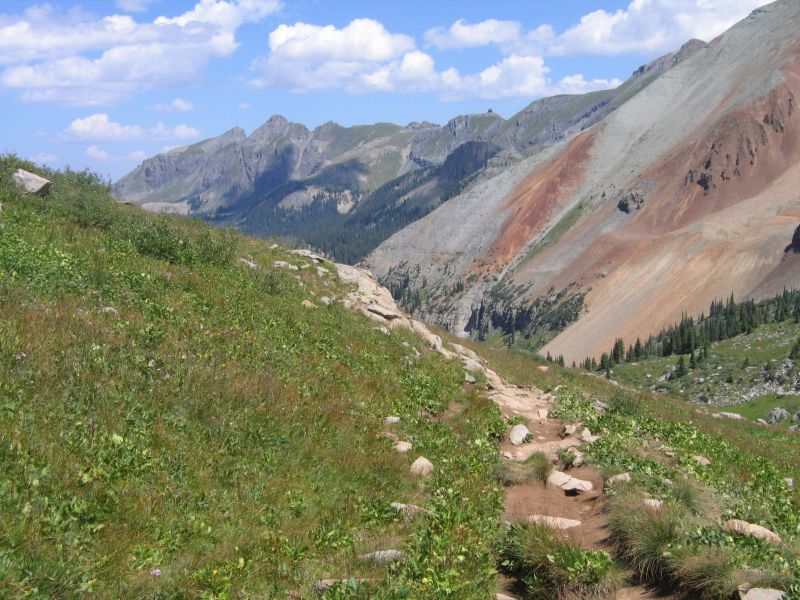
(577, 221)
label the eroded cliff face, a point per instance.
(686, 192)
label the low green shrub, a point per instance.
(549, 565)
(540, 465)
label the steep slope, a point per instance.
(685, 192)
(286, 180)
(191, 413)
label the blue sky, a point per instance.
(104, 84)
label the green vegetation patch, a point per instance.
(177, 424)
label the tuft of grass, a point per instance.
(540, 465)
(646, 538)
(549, 565)
(625, 403)
(567, 458)
(688, 493)
(708, 574)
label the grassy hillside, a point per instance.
(750, 373)
(176, 424)
(656, 439)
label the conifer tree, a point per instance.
(681, 371)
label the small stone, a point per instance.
(508, 455)
(543, 412)
(762, 594)
(587, 436)
(383, 557)
(730, 415)
(282, 264)
(543, 368)
(326, 301)
(569, 430)
(701, 460)
(323, 585)
(554, 522)
(789, 481)
(409, 510)
(468, 378)
(621, 478)
(248, 263)
(392, 420)
(756, 531)
(308, 304)
(422, 467)
(109, 310)
(761, 422)
(518, 434)
(403, 447)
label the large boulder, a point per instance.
(568, 483)
(776, 415)
(518, 434)
(762, 594)
(31, 183)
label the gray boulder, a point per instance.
(776, 415)
(422, 467)
(762, 594)
(31, 183)
(518, 434)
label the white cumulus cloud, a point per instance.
(464, 35)
(176, 105)
(99, 127)
(96, 153)
(643, 27)
(365, 57)
(77, 58)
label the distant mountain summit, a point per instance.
(284, 179)
(580, 219)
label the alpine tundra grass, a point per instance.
(177, 424)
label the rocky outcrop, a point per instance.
(31, 183)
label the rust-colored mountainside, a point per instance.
(688, 191)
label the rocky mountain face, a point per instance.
(323, 185)
(668, 194)
(579, 220)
